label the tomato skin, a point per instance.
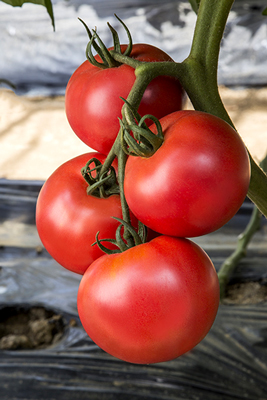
(195, 182)
(93, 104)
(68, 219)
(151, 303)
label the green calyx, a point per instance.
(136, 138)
(100, 184)
(107, 56)
(134, 238)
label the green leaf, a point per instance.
(46, 3)
(194, 5)
(264, 12)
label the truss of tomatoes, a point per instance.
(157, 300)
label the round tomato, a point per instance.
(93, 104)
(68, 219)
(151, 303)
(195, 182)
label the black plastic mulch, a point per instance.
(230, 363)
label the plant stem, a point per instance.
(200, 80)
(244, 238)
(232, 261)
(122, 158)
(117, 152)
(209, 29)
(257, 191)
(198, 75)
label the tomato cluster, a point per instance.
(156, 300)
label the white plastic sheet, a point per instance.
(40, 61)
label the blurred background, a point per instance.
(34, 134)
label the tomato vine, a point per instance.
(165, 174)
(198, 75)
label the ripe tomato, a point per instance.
(151, 303)
(68, 219)
(195, 182)
(93, 103)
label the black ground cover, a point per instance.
(230, 363)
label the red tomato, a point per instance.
(93, 103)
(151, 303)
(68, 219)
(195, 182)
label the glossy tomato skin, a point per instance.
(151, 303)
(93, 104)
(195, 182)
(68, 219)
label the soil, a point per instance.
(33, 328)
(38, 328)
(246, 293)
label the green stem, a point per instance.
(109, 159)
(124, 59)
(135, 96)
(117, 152)
(198, 75)
(200, 80)
(232, 261)
(209, 29)
(122, 158)
(257, 191)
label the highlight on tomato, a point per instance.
(195, 182)
(151, 303)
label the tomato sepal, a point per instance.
(100, 183)
(106, 55)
